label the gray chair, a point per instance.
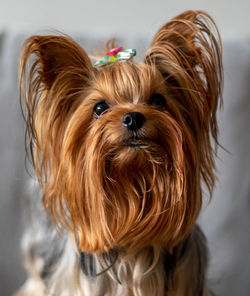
(226, 221)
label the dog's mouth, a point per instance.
(136, 142)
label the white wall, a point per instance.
(118, 16)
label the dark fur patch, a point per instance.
(195, 243)
(88, 265)
(41, 239)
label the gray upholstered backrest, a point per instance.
(226, 220)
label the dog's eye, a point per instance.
(157, 100)
(100, 107)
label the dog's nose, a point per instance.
(133, 120)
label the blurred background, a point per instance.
(226, 220)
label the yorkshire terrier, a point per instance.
(121, 151)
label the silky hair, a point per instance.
(138, 205)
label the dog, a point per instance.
(121, 151)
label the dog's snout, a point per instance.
(133, 120)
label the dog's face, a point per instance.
(124, 148)
(121, 151)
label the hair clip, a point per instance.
(114, 55)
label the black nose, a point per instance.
(133, 120)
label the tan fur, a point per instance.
(110, 195)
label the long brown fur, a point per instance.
(109, 195)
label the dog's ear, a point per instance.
(187, 52)
(54, 73)
(56, 56)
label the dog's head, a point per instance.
(121, 151)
